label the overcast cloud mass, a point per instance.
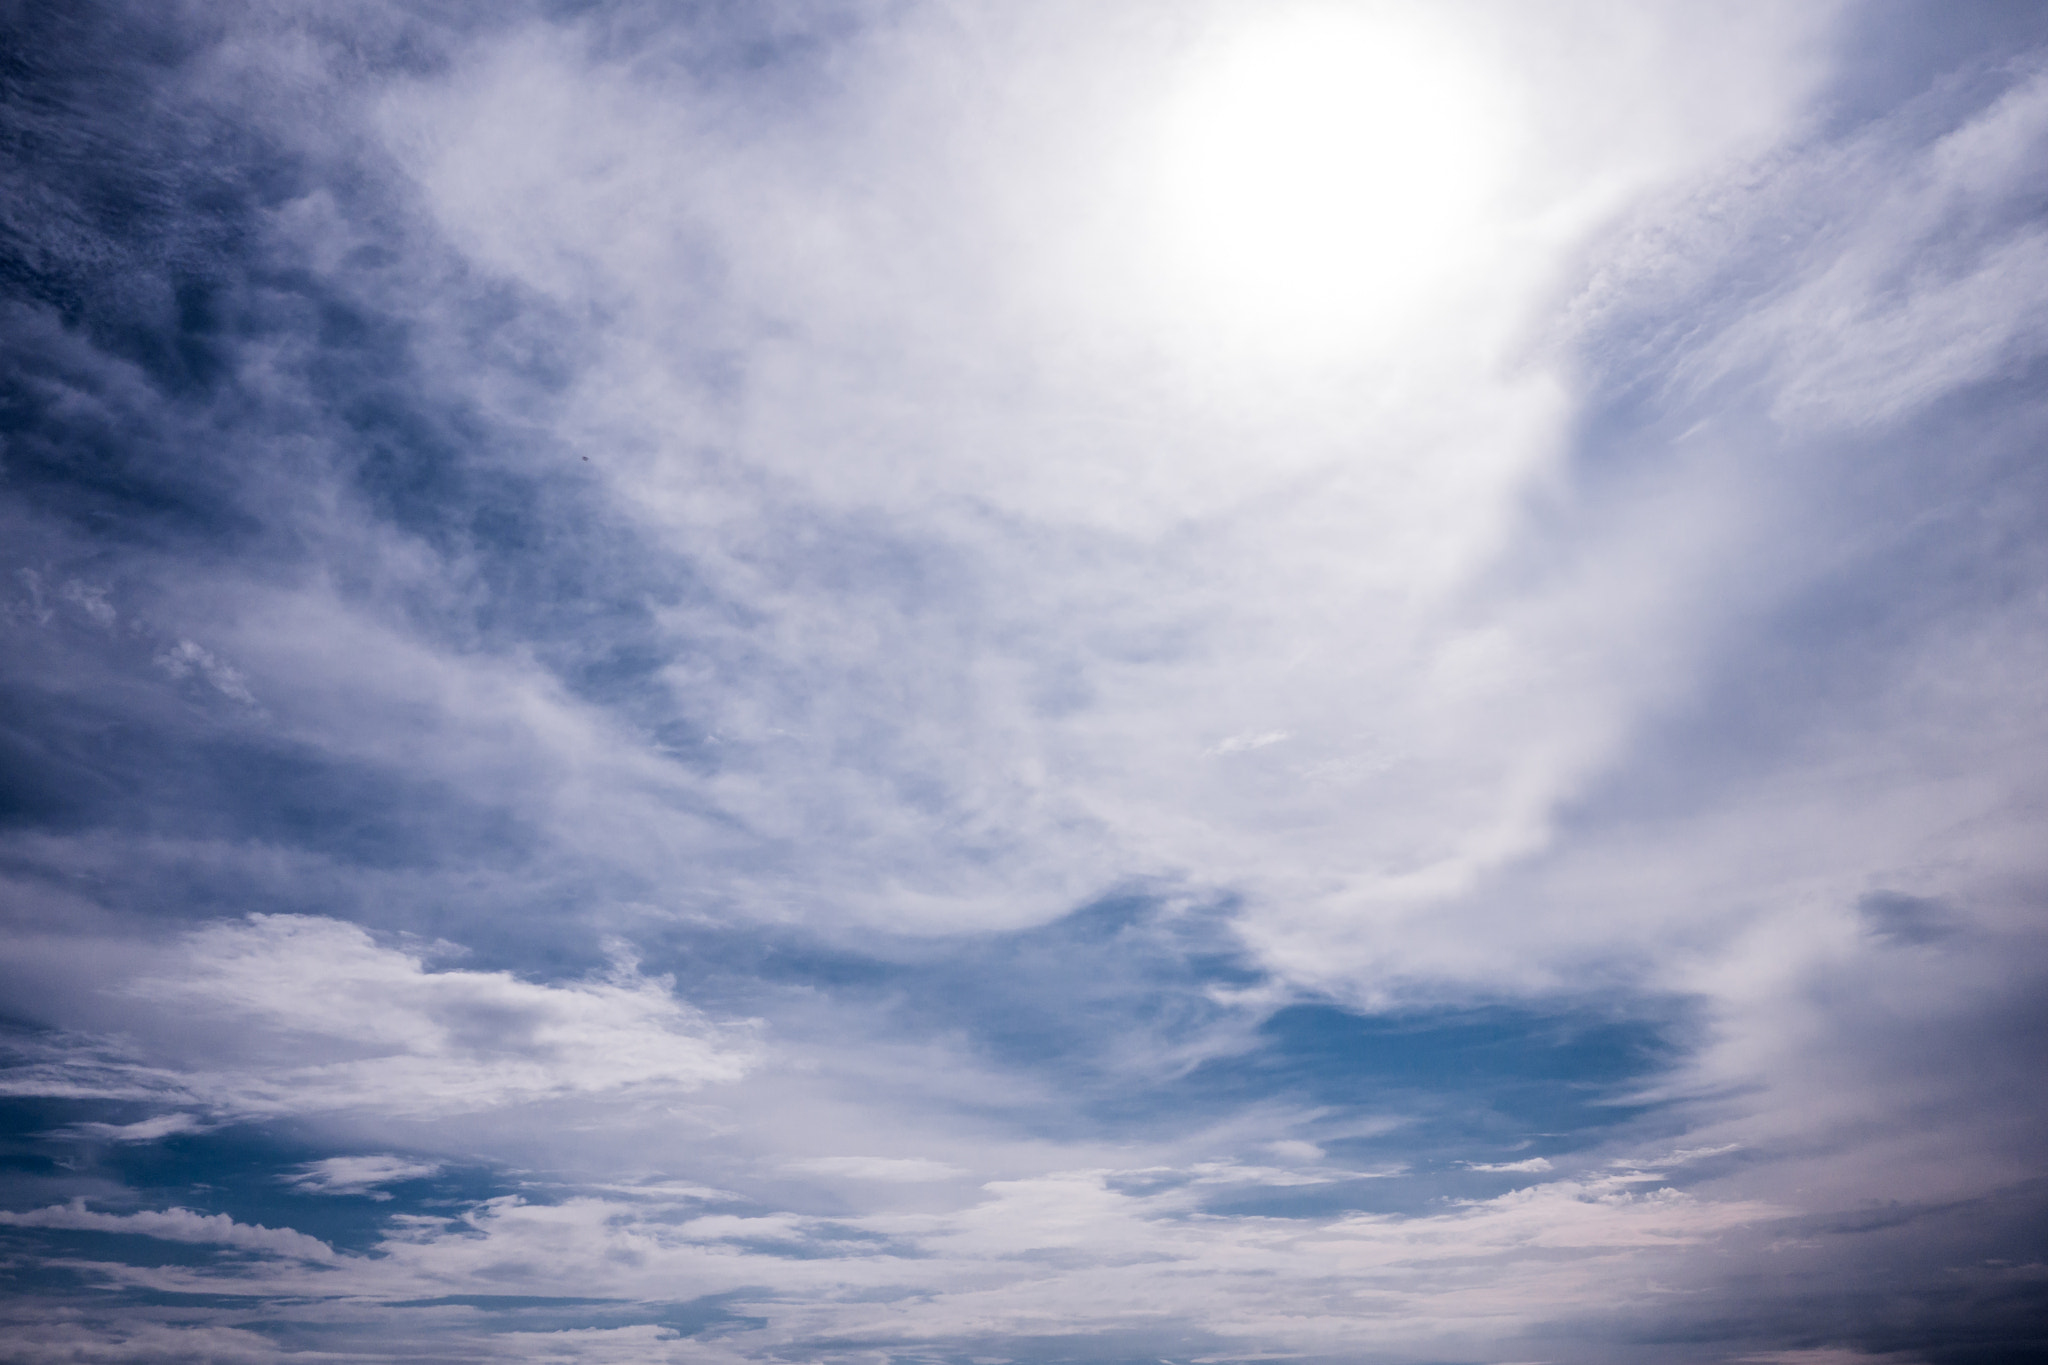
(975, 684)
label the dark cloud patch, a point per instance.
(1899, 918)
(122, 197)
(1899, 1277)
(46, 1258)
(83, 767)
(1887, 53)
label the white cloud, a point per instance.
(92, 600)
(983, 550)
(1182, 545)
(359, 1174)
(1929, 289)
(1533, 1165)
(605, 1346)
(145, 1130)
(907, 1170)
(59, 1342)
(1065, 1252)
(176, 1225)
(1248, 740)
(299, 1014)
(186, 658)
(1060, 1252)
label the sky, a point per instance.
(924, 682)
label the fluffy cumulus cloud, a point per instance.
(1341, 679)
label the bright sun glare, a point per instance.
(1322, 173)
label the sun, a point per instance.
(1320, 173)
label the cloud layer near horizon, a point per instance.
(1024, 682)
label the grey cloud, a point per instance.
(1899, 918)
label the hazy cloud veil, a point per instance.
(895, 681)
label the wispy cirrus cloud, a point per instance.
(1024, 681)
(359, 1174)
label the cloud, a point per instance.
(910, 1170)
(313, 1015)
(1063, 1252)
(1899, 918)
(359, 1174)
(176, 1225)
(1936, 288)
(1212, 751)
(1533, 1165)
(187, 658)
(36, 1341)
(145, 1130)
(1067, 1238)
(1248, 740)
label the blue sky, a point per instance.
(905, 682)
